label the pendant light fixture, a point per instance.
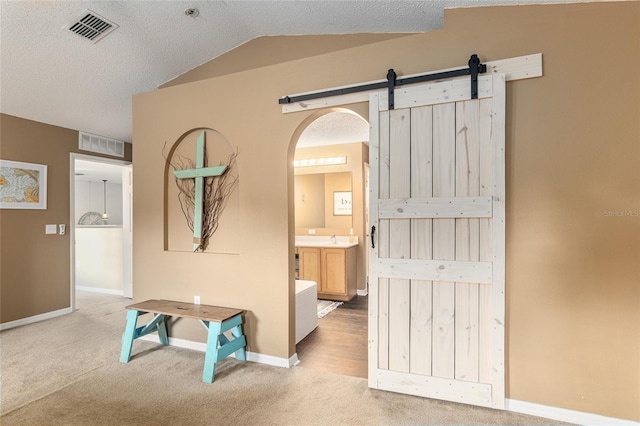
(105, 216)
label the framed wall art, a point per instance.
(342, 203)
(23, 185)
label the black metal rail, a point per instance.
(475, 68)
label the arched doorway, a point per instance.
(331, 160)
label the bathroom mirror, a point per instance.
(322, 200)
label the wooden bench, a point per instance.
(215, 319)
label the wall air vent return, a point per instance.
(100, 145)
(91, 26)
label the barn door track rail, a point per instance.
(475, 68)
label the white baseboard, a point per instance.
(34, 319)
(544, 411)
(100, 290)
(564, 415)
(293, 361)
(362, 292)
(523, 407)
(251, 356)
(181, 343)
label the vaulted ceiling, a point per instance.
(51, 74)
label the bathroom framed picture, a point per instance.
(342, 205)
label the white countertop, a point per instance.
(325, 241)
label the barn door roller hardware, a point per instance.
(475, 68)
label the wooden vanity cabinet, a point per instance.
(333, 268)
(309, 264)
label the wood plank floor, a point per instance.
(339, 343)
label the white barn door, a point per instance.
(437, 271)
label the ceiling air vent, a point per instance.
(91, 26)
(100, 144)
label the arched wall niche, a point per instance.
(218, 151)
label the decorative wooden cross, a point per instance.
(199, 174)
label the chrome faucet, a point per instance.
(333, 238)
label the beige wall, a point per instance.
(271, 50)
(573, 267)
(335, 182)
(35, 268)
(309, 201)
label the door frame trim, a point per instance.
(72, 219)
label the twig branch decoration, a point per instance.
(216, 192)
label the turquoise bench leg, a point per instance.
(162, 332)
(211, 356)
(219, 347)
(236, 332)
(129, 335)
(132, 332)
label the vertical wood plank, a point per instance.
(486, 246)
(467, 240)
(443, 240)
(421, 239)
(199, 185)
(400, 239)
(373, 319)
(383, 244)
(499, 239)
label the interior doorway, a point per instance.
(100, 226)
(334, 134)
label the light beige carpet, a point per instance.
(66, 372)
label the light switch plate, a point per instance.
(50, 229)
(61, 229)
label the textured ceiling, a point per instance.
(52, 75)
(335, 128)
